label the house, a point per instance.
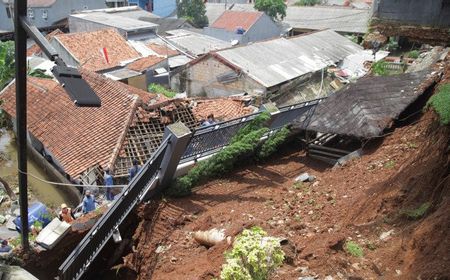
(195, 44)
(162, 8)
(81, 142)
(345, 20)
(243, 27)
(45, 13)
(419, 21)
(262, 68)
(129, 28)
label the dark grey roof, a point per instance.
(166, 24)
(364, 109)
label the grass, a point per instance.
(389, 164)
(354, 249)
(156, 88)
(413, 54)
(307, 2)
(440, 103)
(415, 214)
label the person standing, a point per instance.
(133, 170)
(88, 202)
(109, 182)
(66, 214)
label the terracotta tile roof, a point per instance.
(230, 20)
(144, 63)
(78, 138)
(34, 49)
(162, 50)
(145, 96)
(222, 108)
(86, 47)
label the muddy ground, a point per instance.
(365, 200)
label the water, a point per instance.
(49, 194)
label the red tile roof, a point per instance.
(222, 108)
(163, 50)
(144, 63)
(86, 48)
(231, 20)
(34, 49)
(77, 137)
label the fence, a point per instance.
(86, 251)
(204, 141)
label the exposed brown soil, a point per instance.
(359, 201)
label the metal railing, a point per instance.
(208, 140)
(84, 254)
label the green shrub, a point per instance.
(354, 249)
(254, 256)
(413, 54)
(273, 142)
(307, 2)
(157, 88)
(440, 102)
(379, 68)
(415, 214)
(242, 144)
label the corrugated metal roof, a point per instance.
(120, 22)
(338, 19)
(364, 109)
(276, 61)
(195, 43)
(341, 19)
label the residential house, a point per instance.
(262, 68)
(45, 13)
(103, 51)
(81, 141)
(243, 27)
(345, 20)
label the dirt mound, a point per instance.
(370, 201)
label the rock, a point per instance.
(385, 235)
(173, 260)
(209, 238)
(356, 266)
(398, 272)
(376, 269)
(328, 277)
(355, 277)
(290, 253)
(302, 269)
(302, 177)
(306, 278)
(2, 219)
(337, 244)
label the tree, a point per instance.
(6, 63)
(273, 8)
(194, 11)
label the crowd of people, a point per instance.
(89, 202)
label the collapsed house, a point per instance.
(262, 68)
(81, 142)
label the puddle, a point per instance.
(48, 194)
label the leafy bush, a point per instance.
(440, 103)
(379, 68)
(6, 63)
(354, 249)
(273, 142)
(194, 11)
(254, 256)
(243, 143)
(413, 54)
(273, 8)
(157, 88)
(307, 2)
(417, 213)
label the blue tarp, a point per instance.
(36, 212)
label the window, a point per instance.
(44, 14)
(30, 13)
(8, 12)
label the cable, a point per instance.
(67, 184)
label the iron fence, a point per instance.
(86, 251)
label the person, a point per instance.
(66, 214)
(4, 248)
(210, 120)
(88, 202)
(109, 182)
(133, 170)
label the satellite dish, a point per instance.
(234, 42)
